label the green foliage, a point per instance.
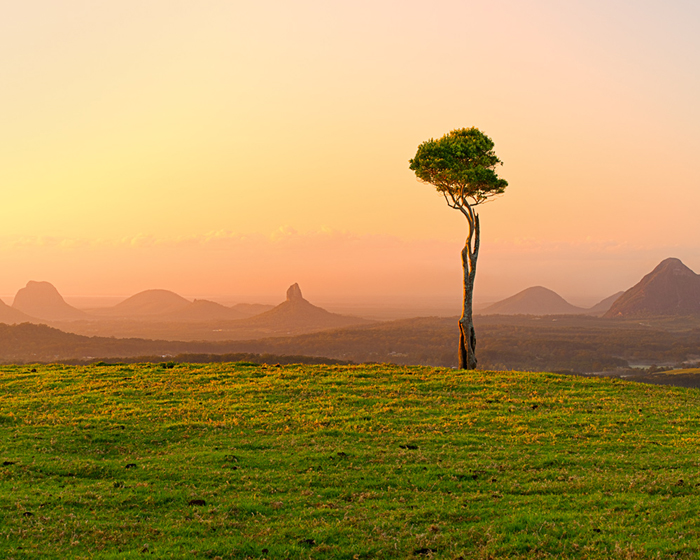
(462, 163)
(240, 461)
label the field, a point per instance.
(247, 461)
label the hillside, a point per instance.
(11, 316)
(146, 304)
(670, 289)
(576, 343)
(202, 310)
(205, 311)
(573, 343)
(533, 301)
(602, 307)
(40, 343)
(297, 314)
(326, 462)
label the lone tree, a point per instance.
(461, 165)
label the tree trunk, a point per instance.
(467, 334)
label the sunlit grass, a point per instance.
(243, 461)
(684, 371)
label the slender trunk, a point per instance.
(467, 335)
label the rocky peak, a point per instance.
(38, 292)
(294, 293)
(42, 300)
(670, 289)
(673, 266)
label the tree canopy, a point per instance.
(461, 165)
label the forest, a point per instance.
(564, 343)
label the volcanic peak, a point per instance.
(536, 300)
(294, 293)
(670, 289)
(42, 300)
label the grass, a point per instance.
(246, 461)
(683, 371)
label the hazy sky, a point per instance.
(229, 147)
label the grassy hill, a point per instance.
(246, 461)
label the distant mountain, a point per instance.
(11, 316)
(602, 307)
(251, 309)
(42, 300)
(533, 301)
(298, 315)
(670, 289)
(168, 307)
(201, 310)
(206, 320)
(146, 304)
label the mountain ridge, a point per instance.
(11, 316)
(670, 289)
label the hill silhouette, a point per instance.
(603, 306)
(145, 304)
(251, 309)
(670, 289)
(201, 310)
(567, 342)
(142, 316)
(168, 307)
(533, 301)
(29, 343)
(11, 316)
(42, 300)
(296, 314)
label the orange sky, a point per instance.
(230, 148)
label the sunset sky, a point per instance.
(230, 149)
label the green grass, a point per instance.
(684, 371)
(242, 461)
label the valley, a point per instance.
(613, 336)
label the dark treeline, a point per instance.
(577, 344)
(580, 345)
(238, 358)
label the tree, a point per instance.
(461, 166)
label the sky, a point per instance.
(229, 149)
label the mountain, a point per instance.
(168, 307)
(670, 289)
(533, 301)
(146, 304)
(298, 315)
(602, 307)
(250, 309)
(140, 317)
(11, 316)
(201, 310)
(42, 300)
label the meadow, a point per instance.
(325, 461)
